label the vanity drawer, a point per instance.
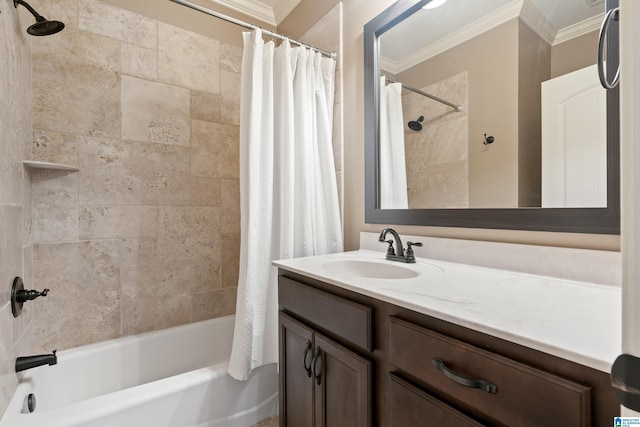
(511, 393)
(409, 407)
(335, 315)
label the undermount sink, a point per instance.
(370, 269)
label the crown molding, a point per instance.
(283, 8)
(250, 8)
(258, 10)
(484, 24)
(579, 29)
(523, 9)
(536, 20)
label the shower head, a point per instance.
(42, 27)
(416, 125)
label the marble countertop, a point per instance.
(577, 321)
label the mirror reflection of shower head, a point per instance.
(416, 125)
(42, 27)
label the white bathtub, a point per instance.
(175, 377)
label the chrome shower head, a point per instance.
(42, 27)
(416, 125)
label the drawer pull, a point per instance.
(462, 380)
(316, 372)
(304, 359)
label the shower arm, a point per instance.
(29, 8)
(456, 107)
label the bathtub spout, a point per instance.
(28, 362)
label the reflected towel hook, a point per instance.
(488, 139)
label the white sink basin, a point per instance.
(370, 269)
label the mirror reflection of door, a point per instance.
(574, 141)
(492, 57)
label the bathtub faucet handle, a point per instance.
(23, 295)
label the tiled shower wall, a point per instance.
(437, 157)
(145, 235)
(16, 335)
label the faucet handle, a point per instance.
(409, 253)
(390, 249)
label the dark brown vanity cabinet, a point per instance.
(322, 383)
(500, 389)
(401, 368)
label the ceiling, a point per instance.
(272, 12)
(429, 32)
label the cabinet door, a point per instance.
(296, 387)
(412, 407)
(342, 382)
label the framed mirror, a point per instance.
(486, 115)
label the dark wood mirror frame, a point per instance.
(571, 220)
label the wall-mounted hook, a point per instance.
(488, 139)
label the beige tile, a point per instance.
(54, 147)
(116, 172)
(230, 104)
(205, 106)
(55, 206)
(83, 305)
(215, 150)
(198, 274)
(446, 186)
(214, 304)
(27, 206)
(10, 170)
(230, 195)
(230, 259)
(188, 59)
(120, 24)
(189, 231)
(230, 80)
(154, 112)
(76, 86)
(205, 191)
(10, 249)
(153, 299)
(139, 253)
(60, 10)
(109, 222)
(190, 236)
(230, 58)
(138, 61)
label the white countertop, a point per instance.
(577, 321)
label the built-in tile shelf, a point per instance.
(47, 165)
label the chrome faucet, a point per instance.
(28, 362)
(409, 257)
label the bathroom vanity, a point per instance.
(364, 342)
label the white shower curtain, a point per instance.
(288, 190)
(393, 171)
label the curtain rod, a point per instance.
(456, 107)
(235, 21)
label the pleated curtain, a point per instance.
(288, 190)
